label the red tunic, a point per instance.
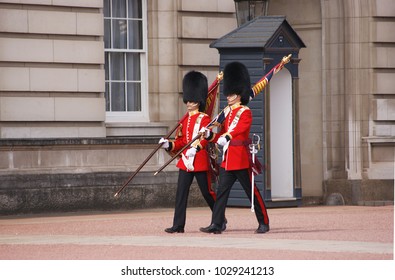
(236, 156)
(185, 135)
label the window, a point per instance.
(125, 60)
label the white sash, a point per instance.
(188, 161)
(232, 127)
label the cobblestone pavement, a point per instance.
(302, 233)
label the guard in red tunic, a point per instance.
(234, 138)
(194, 162)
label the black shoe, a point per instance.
(174, 229)
(213, 228)
(223, 228)
(262, 228)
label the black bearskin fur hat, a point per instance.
(195, 89)
(237, 81)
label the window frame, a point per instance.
(132, 116)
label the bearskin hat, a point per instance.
(195, 89)
(237, 81)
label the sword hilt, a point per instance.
(255, 146)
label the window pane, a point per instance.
(106, 65)
(117, 67)
(134, 9)
(119, 8)
(107, 31)
(107, 95)
(106, 69)
(134, 96)
(135, 34)
(133, 66)
(106, 8)
(117, 96)
(119, 34)
(123, 31)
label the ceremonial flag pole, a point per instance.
(256, 89)
(261, 84)
(212, 95)
(149, 156)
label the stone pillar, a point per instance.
(358, 152)
(357, 82)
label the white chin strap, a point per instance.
(195, 105)
(233, 98)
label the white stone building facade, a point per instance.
(59, 76)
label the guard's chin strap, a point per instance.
(234, 96)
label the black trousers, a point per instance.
(226, 181)
(184, 183)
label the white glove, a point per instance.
(191, 152)
(165, 143)
(222, 141)
(205, 131)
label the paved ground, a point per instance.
(304, 233)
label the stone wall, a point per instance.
(51, 65)
(60, 175)
(50, 193)
(360, 192)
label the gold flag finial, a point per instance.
(220, 76)
(286, 59)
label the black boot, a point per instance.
(262, 228)
(174, 229)
(213, 228)
(223, 228)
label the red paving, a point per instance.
(102, 245)
(304, 233)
